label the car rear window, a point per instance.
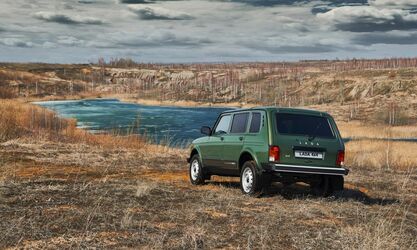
(239, 123)
(307, 125)
(255, 123)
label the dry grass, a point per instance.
(18, 119)
(61, 187)
(6, 93)
(381, 154)
(379, 94)
(119, 198)
(357, 129)
(382, 230)
(17, 75)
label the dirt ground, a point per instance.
(55, 195)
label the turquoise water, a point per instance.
(176, 126)
(173, 125)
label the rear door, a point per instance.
(233, 143)
(256, 139)
(306, 139)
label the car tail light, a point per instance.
(340, 159)
(274, 153)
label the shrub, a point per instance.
(19, 119)
(7, 93)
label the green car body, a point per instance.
(283, 144)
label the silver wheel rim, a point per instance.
(247, 180)
(195, 169)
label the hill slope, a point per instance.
(382, 91)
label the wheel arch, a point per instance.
(195, 150)
(246, 155)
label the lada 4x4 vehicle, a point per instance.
(271, 144)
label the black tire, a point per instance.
(327, 185)
(251, 183)
(337, 183)
(321, 187)
(196, 173)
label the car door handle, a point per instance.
(241, 138)
(222, 138)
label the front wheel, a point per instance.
(196, 171)
(250, 182)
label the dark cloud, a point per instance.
(207, 29)
(134, 1)
(158, 13)
(338, 3)
(288, 49)
(369, 19)
(86, 1)
(144, 1)
(270, 3)
(365, 26)
(385, 38)
(393, 3)
(320, 9)
(15, 42)
(161, 39)
(66, 19)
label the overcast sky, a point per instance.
(205, 30)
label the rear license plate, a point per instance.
(308, 154)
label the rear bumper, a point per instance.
(283, 168)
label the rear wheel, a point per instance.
(251, 183)
(337, 183)
(196, 171)
(321, 187)
(327, 185)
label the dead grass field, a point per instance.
(373, 154)
(60, 195)
(377, 91)
(63, 188)
(357, 130)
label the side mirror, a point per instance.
(205, 130)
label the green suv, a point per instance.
(271, 144)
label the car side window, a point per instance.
(239, 123)
(255, 124)
(223, 125)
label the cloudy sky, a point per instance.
(205, 30)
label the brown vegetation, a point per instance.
(63, 188)
(68, 195)
(371, 154)
(378, 91)
(361, 130)
(19, 119)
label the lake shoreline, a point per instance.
(148, 102)
(161, 124)
(141, 101)
(182, 103)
